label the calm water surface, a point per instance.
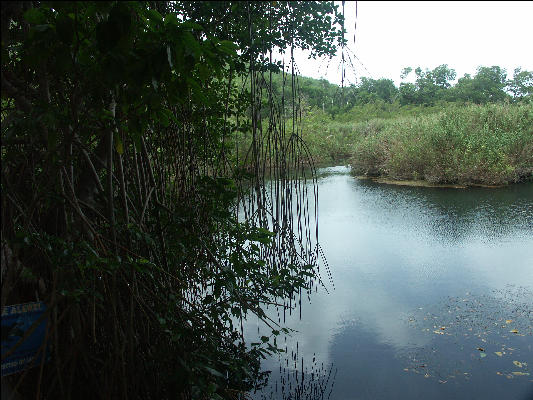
(432, 296)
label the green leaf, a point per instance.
(171, 19)
(192, 25)
(165, 115)
(35, 16)
(213, 371)
(191, 44)
(154, 15)
(228, 47)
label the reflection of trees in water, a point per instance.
(453, 214)
(475, 334)
(299, 379)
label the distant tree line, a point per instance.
(488, 85)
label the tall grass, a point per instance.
(490, 144)
(332, 140)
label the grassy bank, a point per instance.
(490, 144)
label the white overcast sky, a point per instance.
(397, 34)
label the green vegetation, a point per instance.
(478, 131)
(128, 206)
(431, 88)
(137, 142)
(490, 144)
(474, 144)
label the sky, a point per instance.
(393, 35)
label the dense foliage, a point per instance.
(430, 88)
(447, 143)
(478, 131)
(489, 145)
(128, 207)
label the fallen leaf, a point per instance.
(439, 332)
(513, 331)
(498, 353)
(483, 355)
(508, 321)
(481, 349)
(520, 373)
(518, 364)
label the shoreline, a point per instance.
(422, 183)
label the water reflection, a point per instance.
(394, 250)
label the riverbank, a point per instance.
(490, 145)
(421, 183)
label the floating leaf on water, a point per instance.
(481, 349)
(518, 364)
(513, 331)
(508, 321)
(518, 373)
(498, 353)
(439, 332)
(483, 355)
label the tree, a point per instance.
(486, 86)
(521, 85)
(430, 85)
(490, 82)
(442, 75)
(122, 187)
(408, 94)
(405, 72)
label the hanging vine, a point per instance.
(154, 190)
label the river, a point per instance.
(432, 296)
